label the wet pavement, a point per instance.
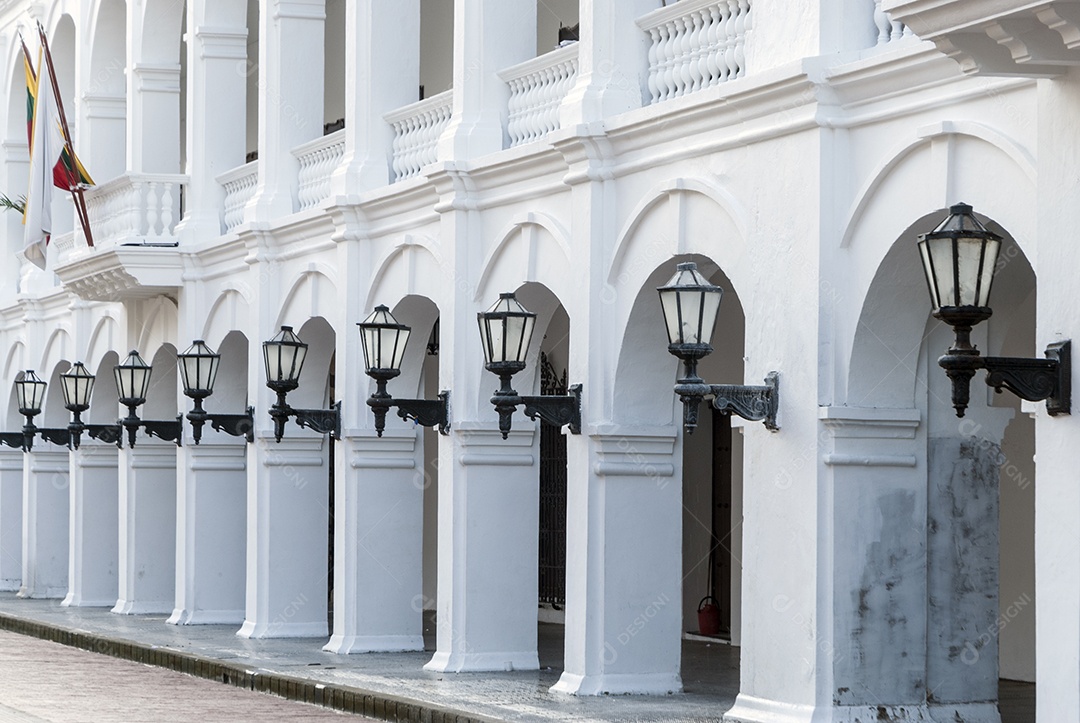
(385, 680)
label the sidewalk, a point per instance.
(390, 686)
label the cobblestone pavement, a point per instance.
(44, 681)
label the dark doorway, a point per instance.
(331, 394)
(552, 496)
(720, 549)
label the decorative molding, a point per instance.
(870, 422)
(871, 460)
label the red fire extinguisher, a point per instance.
(708, 615)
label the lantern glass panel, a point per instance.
(77, 385)
(959, 258)
(284, 356)
(133, 377)
(30, 391)
(690, 305)
(384, 340)
(199, 367)
(506, 330)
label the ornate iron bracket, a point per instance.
(560, 410)
(425, 412)
(323, 421)
(1035, 380)
(108, 433)
(236, 425)
(12, 439)
(61, 437)
(753, 403)
(169, 430)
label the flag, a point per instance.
(46, 142)
(53, 163)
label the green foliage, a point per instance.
(10, 205)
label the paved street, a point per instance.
(43, 681)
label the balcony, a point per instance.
(537, 89)
(417, 128)
(997, 37)
(133, 220)
(317, 159)
(239, 185)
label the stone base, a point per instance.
(350, 644)
(257, 631)
(133, 607)
(483, 662)
(619, 684)
(181, 616)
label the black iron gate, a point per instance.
(552, 496)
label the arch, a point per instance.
(161, 24)
(534, 247)
(230, 310)
(231, 391)
(315, 389)
(403, 270)
(421, 313)
(674, 192)
(104, 400)
(105, 338)
(878, 265)
(159, 325)
(16, 123)
(57, 347)
(161, 397)
(108, 49)
(1020, 156)
(646, 371)
(53, 413)
(15, 361)
(312, 293)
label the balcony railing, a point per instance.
(141, 208)
(537, 89)
(695, 44)
(318, 159)
(417, 128)
(239, 185)
(888, 29)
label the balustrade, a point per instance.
(318, 159)
(417, 128)
(695, 44)
(135, 208)
(537, 89)
(239, 185)
(888, 29)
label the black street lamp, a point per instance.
(691, 305)
(77, 384)
(959, 258)
(198, 372)
(384, 341)
(506, 331)
(132, 383)
(284, 357)
(30, 395)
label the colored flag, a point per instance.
(46, 141)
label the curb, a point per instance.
(327, 695)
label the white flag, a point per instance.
(47, 144)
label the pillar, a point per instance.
(623, 583)
(154, 117)
(489, 517)
(94, 543)
(290, 99)
(11, 516)
(480, 96)
(287, 546)
(147, 528)
(210, 520)
(216, 132)
(381, 30)
(45, 523)
(378, 556)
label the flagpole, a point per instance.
(76, 189)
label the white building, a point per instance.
(873, 564)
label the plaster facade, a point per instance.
(887, 559)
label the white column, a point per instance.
(154, 117)
(147, 528)
(45, 523)
(102, 134)
(612, 61)
(287, 546)
(210, 522)
(378, 555)
(290, 99)
(380, 29)
(489, 517)
(11, 517)
(216, 131)
(623, 577)
(94, 543)
(480, 96)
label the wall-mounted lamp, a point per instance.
(691, 305)
(30, 394)
(284, 357)
(384, 341)
(198, 372)
(960, 259)
(506, 330)
(132, 383)
(77, 383)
